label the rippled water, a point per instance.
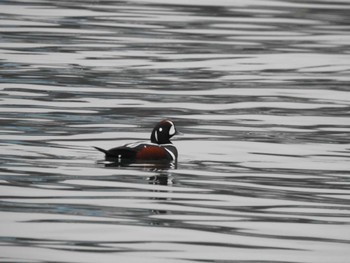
(260, 89)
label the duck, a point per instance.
(158, 149)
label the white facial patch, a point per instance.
(172, 130)
(160, 129)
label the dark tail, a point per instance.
(101, 150)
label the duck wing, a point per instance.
(118, 153)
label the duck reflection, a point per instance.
(161, 179)
(161, 168)
(148, 166)
(161, 175)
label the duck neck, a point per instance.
(158, 138)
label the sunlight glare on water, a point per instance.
(260, 90)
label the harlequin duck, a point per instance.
(160, 149)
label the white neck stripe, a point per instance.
(171, 153)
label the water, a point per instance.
(260, 89)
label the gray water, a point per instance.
(259, 88)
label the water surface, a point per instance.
(260, 89)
